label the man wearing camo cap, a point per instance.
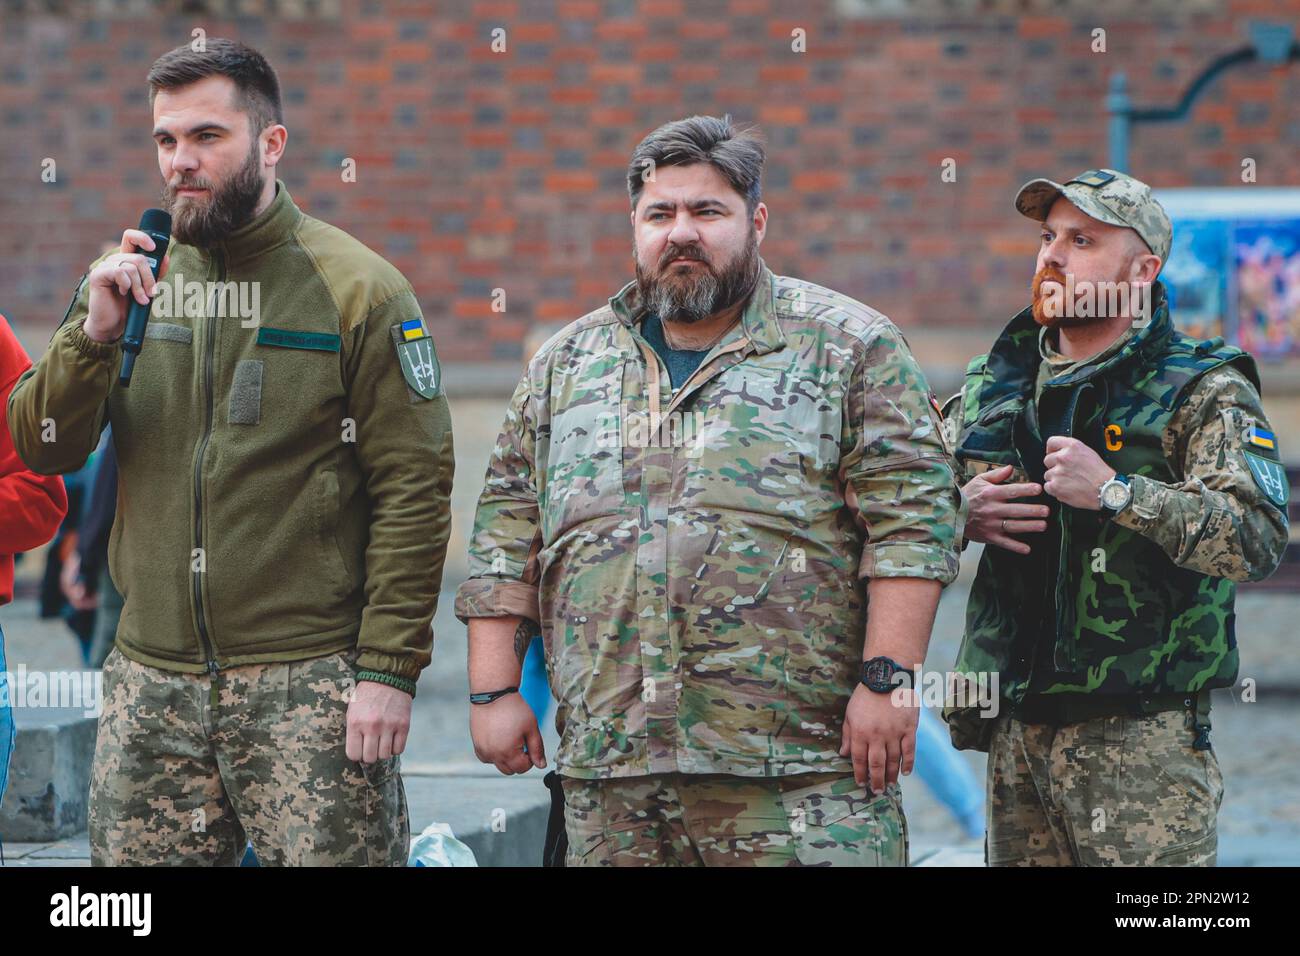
(1122, 477)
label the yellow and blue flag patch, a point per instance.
(1261, 438)
(418, 358)
(1264, 466)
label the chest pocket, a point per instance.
(582, 475)
(766, 437)
(169, 332)
(160, 399)
(287, 373)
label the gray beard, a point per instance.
(708, 294)
(692, 304)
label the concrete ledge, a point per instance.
(49, 775)
(502, 819)
(1260, 850)
(521, 843)
(1233, 851)
(948, 856)
(73, 851)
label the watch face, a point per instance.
(883, 675)
(1115, 495)
(878, 672)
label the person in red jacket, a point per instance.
(31, 508)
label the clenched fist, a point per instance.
(1075, 473)
(505, 734)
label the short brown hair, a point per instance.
(736, 153)
(256, 85)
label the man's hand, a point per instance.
(1075, 473)
(880, 735)
(379, 718)
(74, 589)
(114, 281)
(502, 729)
(993, 517)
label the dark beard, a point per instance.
(702, 291)
(205, 224)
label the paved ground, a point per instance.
(1258, 743)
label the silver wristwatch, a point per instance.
(1115, 494)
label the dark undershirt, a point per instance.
(681, 362)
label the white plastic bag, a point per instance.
(438, 846)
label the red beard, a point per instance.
(1040, 300)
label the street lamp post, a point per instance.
(1270, 43)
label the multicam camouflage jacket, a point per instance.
(1141, 602)
(696, 561)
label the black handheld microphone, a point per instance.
(158, 224)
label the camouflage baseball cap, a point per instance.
(1109, 196)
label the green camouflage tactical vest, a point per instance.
(1115, 614)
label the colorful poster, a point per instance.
(1234, 268)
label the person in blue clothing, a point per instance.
(533, 687)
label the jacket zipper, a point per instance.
(1071, 648)
(1028, 662)
(205, 642)
(691, 385)
(653, 365)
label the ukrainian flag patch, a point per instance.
(1261, 438)
(418, 359)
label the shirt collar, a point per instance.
(269, 228)
(1059, 362)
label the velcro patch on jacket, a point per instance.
(1260, 437)
(169, 331)
(246, 393)
(419, 361)
(286, 339)
(1271, 478)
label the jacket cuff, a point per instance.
(392, 680)
(902, 560)
(88, 347)
(1144, 508)
(383, 663)
(963, 512)
(497, 597)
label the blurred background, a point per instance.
(490, 143)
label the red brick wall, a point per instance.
(479, 170)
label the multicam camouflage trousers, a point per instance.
(809, 819)
(177, 780)
(1111, 791)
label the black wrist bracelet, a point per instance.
(489, 696)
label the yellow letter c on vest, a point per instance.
(1113, 441)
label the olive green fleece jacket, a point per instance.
(284, 490)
